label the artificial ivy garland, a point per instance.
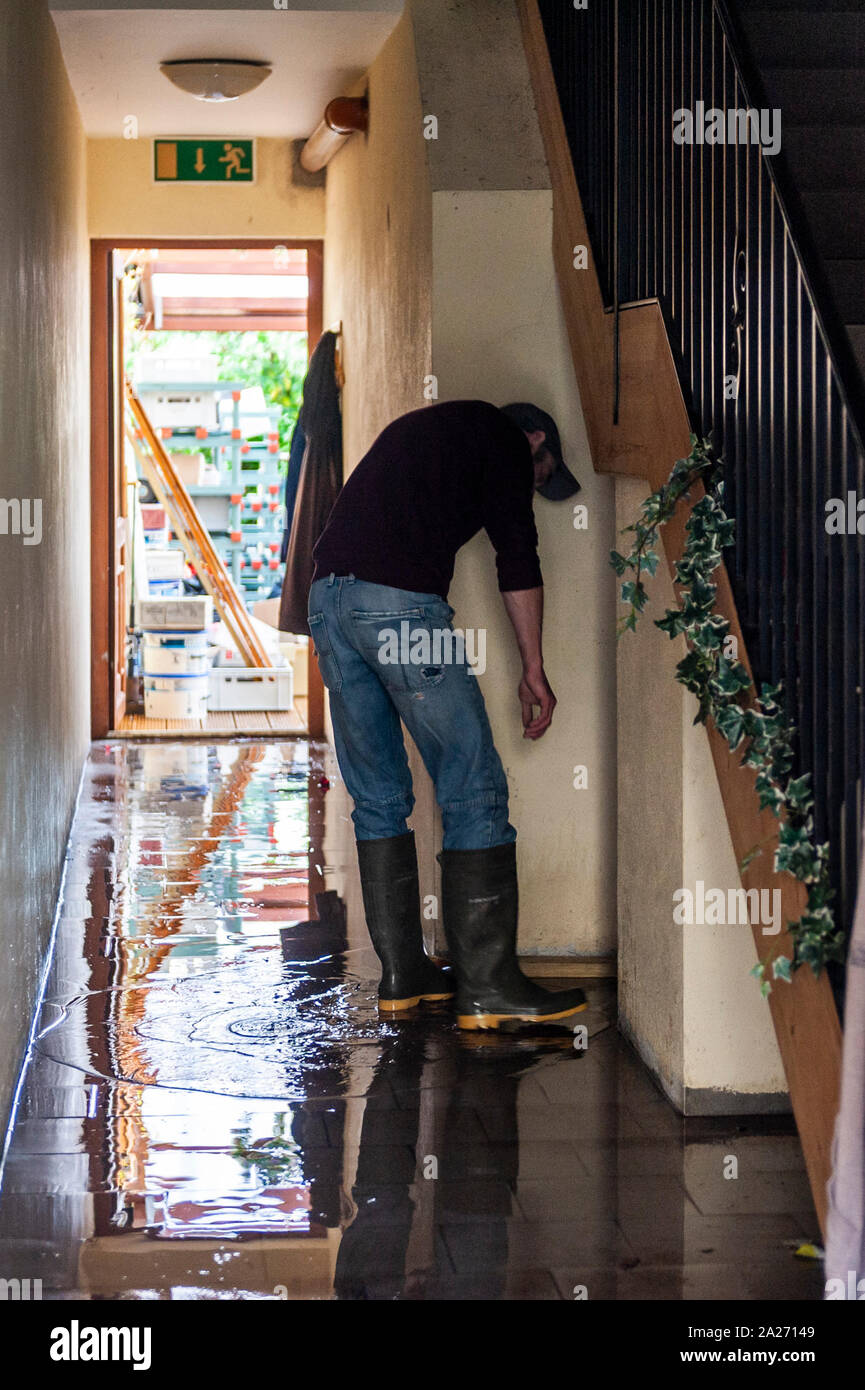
(725, 691)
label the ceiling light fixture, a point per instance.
(216, 79)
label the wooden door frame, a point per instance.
(103, 499)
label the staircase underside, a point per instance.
(810, 57)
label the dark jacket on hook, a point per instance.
(296, 452)
(319, 483)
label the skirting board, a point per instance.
(699, 1101)
(570, 967)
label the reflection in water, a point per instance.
(213, 1107)
(452, 1173)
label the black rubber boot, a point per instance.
(391, 900)
(479, 899)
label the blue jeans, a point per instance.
(362, 651)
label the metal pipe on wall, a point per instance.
(342, 117)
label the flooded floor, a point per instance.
(213, 1108)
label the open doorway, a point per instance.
(214, 339)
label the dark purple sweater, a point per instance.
(429, 482)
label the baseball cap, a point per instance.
(561, 482)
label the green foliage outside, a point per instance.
(274, 361)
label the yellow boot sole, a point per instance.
(471, 1022)
(397, 1006)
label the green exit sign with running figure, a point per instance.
(204, 161)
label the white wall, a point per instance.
(730, 1042)
(686, 998)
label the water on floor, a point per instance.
(214, 1109)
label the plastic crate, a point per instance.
(180, 408)
(251, 688)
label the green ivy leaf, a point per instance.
(618, 562)
(798, 794)
(731, 724)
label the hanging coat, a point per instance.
(319, 483)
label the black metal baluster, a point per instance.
(705, 228)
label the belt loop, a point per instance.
(331, 577)
(350, 578)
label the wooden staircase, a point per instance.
(653, 430)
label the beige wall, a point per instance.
(650, 793)
(475, 80)
(378, 252)
(686, 998)
(124, 201)
(499, 333)
(44, 408)
(377, 280)
(730, 1043)
(462, 285)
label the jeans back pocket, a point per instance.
(327, 662)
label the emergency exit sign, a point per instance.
(204, 161)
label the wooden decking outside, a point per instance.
(230, 724)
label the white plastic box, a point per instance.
(251, 688)
(175, 697)
(189, 468)
(215, 512)
(180, 409)
(157, 539)
(168, 762)
(175, 614)
(163, 564)
(165, 588)
(175, 654)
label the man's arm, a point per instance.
(525, 608)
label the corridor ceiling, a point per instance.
(112, 54)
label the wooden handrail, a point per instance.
(172, 494)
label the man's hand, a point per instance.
(535, 690)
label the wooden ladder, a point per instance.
(187, 525)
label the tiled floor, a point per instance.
(213, 1108)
